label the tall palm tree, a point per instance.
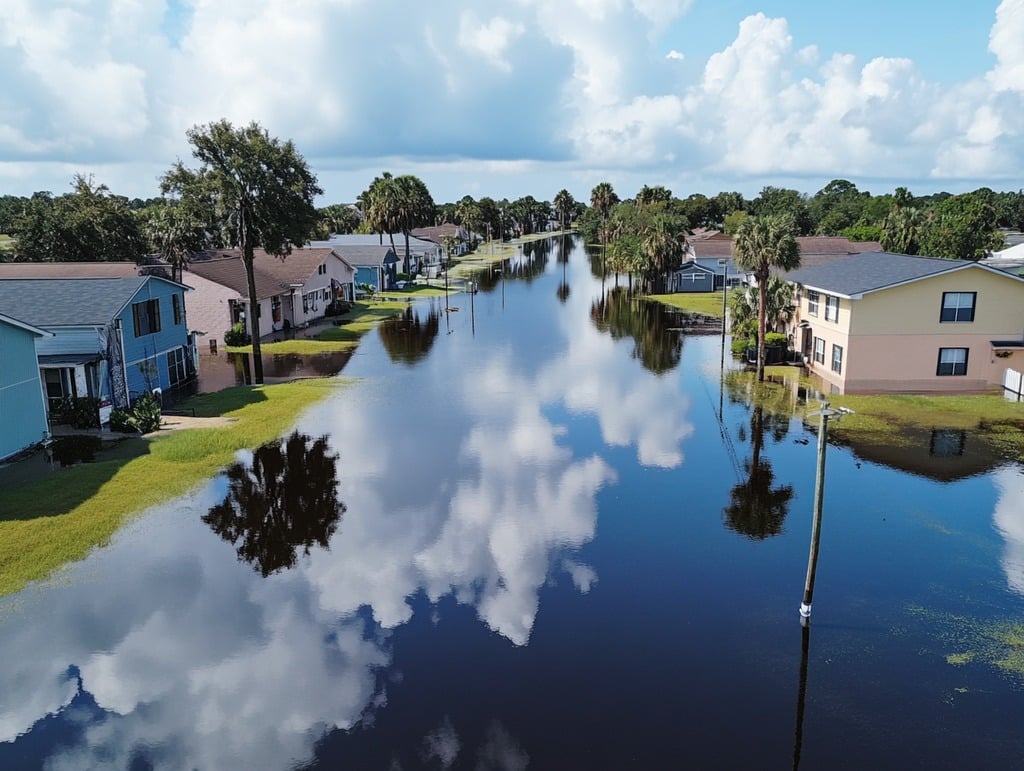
(664, 246)
(603, 200)
(415, 209)
(761, 245)
(381, 206)
(175, 236)
(903, 230)
(564, 204)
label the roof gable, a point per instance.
(859, 274)
(65, 302)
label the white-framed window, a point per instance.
(831, 308)
(958, 306)
(176, 369)
(952, 361)
(812, 303)
(819, 350)
(837, 358)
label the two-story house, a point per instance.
(112, 338)
(880, 321)
(22, 409)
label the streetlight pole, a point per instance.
(819, 493)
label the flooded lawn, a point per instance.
(545, 529)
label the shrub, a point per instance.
(740, 345)
(143, 417)
(776, 338)
(237, 335)
(79, 411)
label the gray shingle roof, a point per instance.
(859, 274)
(59, 302)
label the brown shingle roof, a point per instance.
(68, 269)
(814, 250)
(272, 274)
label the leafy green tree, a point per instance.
(732, 221)
(836, 206)
(565, 204)
(729, 202)
(701, 211)
(763, 244)
(963, 227)
(337, 218)
(777, 201)
(260, 187)
(86, 225)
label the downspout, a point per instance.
(124, 363)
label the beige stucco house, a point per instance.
(879, 321)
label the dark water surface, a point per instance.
(524, 539)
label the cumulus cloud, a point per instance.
(446, 89)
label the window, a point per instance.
(831, 308)
(952, 361)
(837, 358)
(146, 317)
(812, 303)
(176, 305)
(957, 306)
(819, 350)
(176, 366)
(321, 269)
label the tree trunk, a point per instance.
(254, 321)
(762, 287)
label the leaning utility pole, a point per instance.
(819, 493)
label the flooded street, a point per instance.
(542, 530)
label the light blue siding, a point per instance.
(154, 347)
(22, 412)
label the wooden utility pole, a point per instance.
(819, 492)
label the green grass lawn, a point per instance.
(49, 522)
(363, 317)
(6, 243)
(708, 303)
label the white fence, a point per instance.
(1013, 384)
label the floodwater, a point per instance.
(541, 531)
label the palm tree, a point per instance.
(415, 209)
(603, 199)
(564, 205)
(902, 230)
(175, 236)
(761, 245)
(756, 508)
(381, 206)
(779, 306)
(664, 246)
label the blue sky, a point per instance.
(523, 97)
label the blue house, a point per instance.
(22, 409)
(704, 274)
(375, 265)
(112, 338)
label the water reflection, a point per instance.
(409, 337)
(657, 345)
(222, 370)
(283, 501)
(756, 507)
(1008, 519)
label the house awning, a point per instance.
(1007, 344)
(53, 360)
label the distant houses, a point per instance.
(290, 292)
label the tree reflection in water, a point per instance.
(621, 313)
(757, 509)
(286, 500)
(408, 338)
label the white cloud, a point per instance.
(578, 91)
